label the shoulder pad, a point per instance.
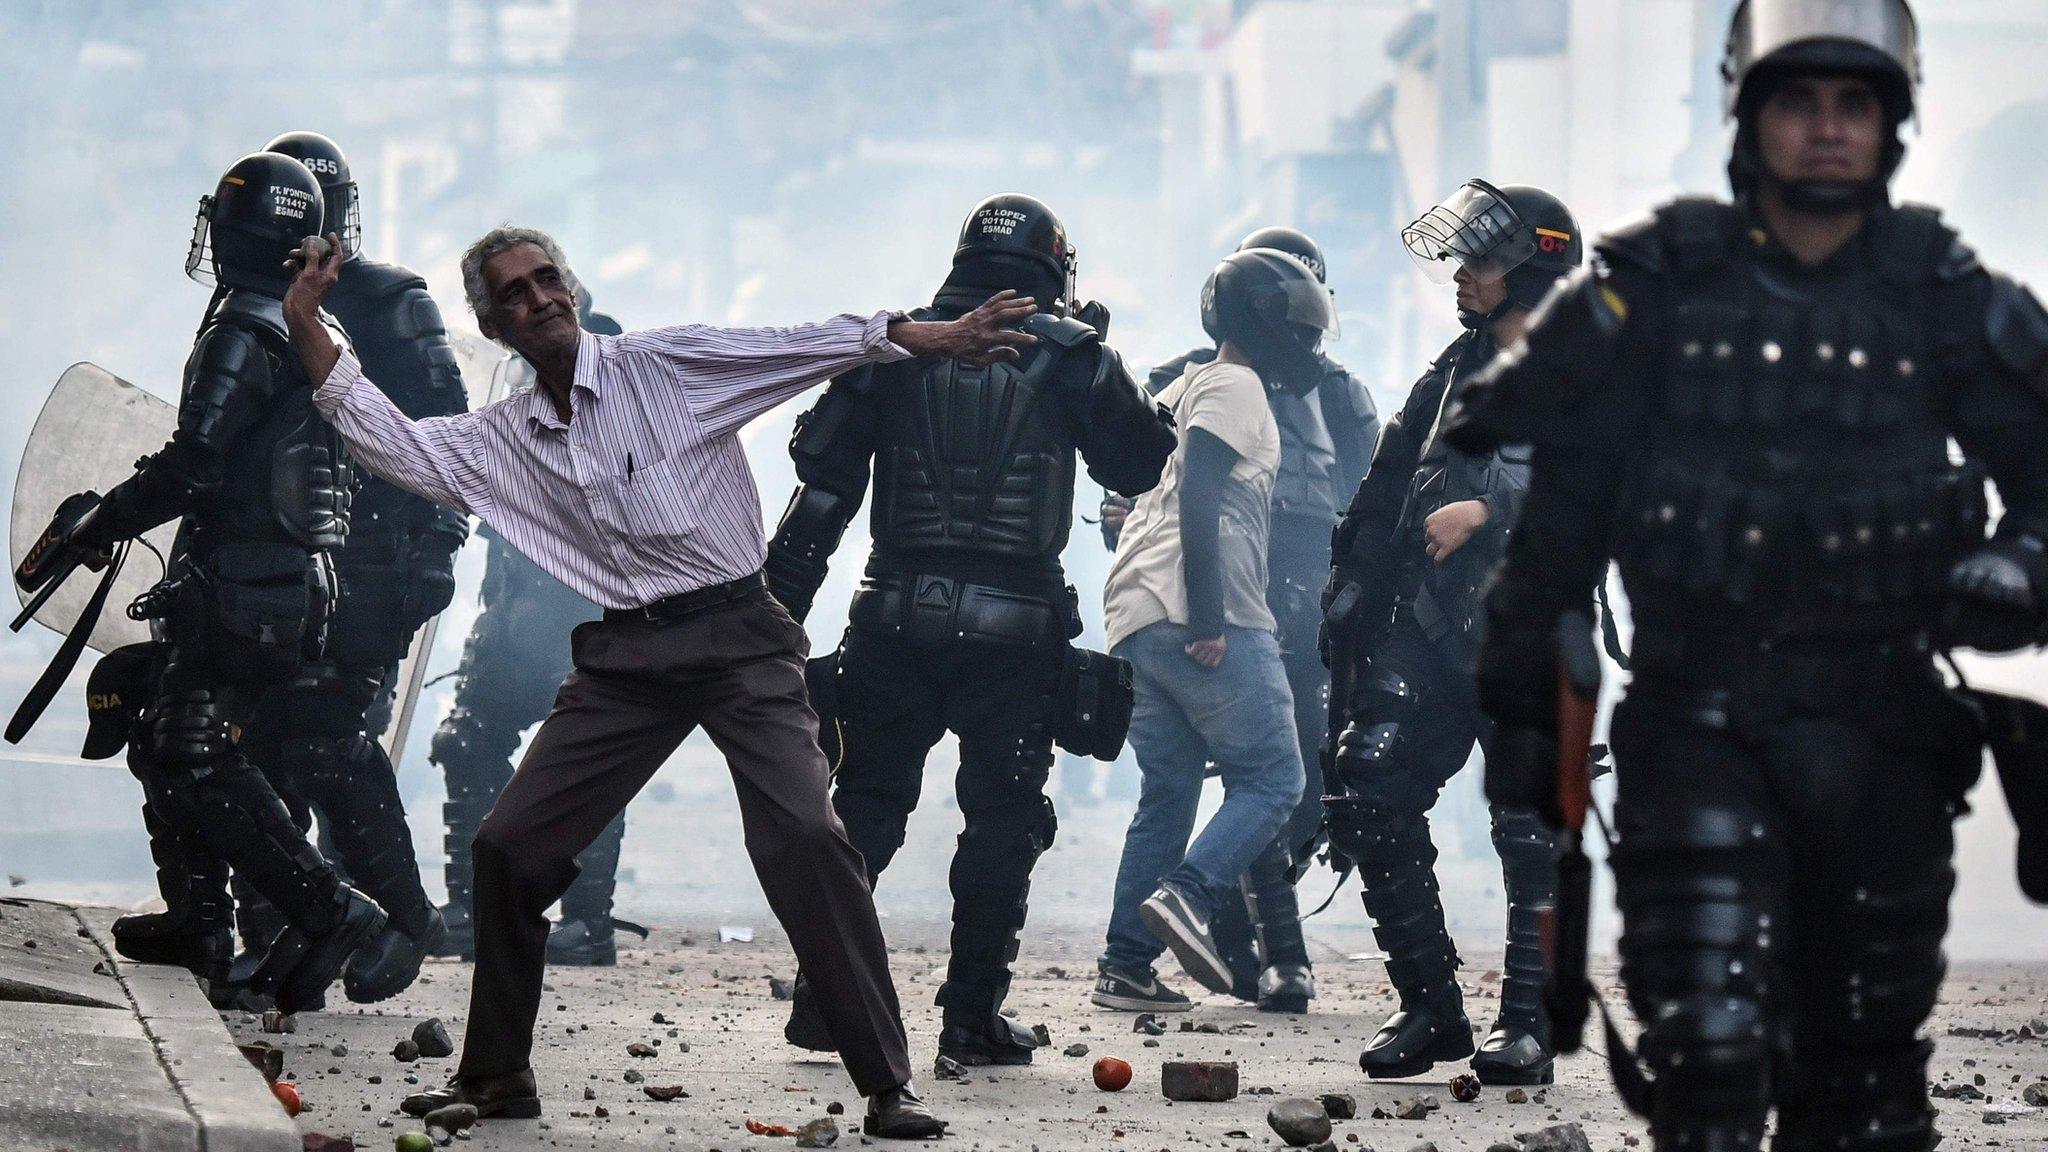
(603, 324)
(1166, 372)
(1959, 262)
(1916, 244)
(1064, 331)
(253, 311)
(1694, 231)
(1635, 243)
(369, 277)
(2016, 327)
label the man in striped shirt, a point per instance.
(622, 474)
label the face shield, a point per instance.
(1762, 28)
(1296, 298)
(1476, 229)
(199, 256)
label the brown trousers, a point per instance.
(637, 690)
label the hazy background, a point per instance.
(778, 160)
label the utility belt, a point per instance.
(257, 610)
(1095, 692)
(1729, 679)
(935, 610)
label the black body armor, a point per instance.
(1764, 447)
(963, 619)
(1799, 469)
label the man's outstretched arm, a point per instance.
(440, 458)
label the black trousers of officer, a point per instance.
(1784, 884)
(314, 742)
(896, 699)
(515, 658)
(1435, 740)
(207, 805)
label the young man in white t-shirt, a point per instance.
(1186, 605)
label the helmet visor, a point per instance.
(199, 255)
(1763, 27)
(1474, 229)
(1302, 300)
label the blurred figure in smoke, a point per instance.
(1186, 604)
(1415, 546)
(516, 656)
(1328, 426)
(317, 741)
(1753, 408)
(964, 617)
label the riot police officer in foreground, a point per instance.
(516, 656)
(1424, 530)
(262, 483)
(963, 619)
(1750, 408)
(318, 738)
(1328, 427)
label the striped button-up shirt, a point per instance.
(645, 492)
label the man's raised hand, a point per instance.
(314, 268)
(984, 336)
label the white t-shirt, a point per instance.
(1146, 581)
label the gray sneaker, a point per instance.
(1172, 918)
(1126, 993)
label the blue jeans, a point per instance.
(1239, 715)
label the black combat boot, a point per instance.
(193, 930)
(390, 962)
(307, 956)
(1518, 1050)
(975, 1040)
(1408, 922)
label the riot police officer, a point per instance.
(963, 619)
(516, 656)
(263, 485)
(1328, 426)
(1420, 536)
(1750, 407)
(318, 739)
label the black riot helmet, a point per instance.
(1770, 41)
(1515, 232)
(323, 158)
(1292, 241)
(1014, 229)
(1273, 309)
(264, 207)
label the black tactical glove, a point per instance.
(1995, 596)
(1358, 604)
(430, 571)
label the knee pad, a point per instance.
(191, 729)
(1375, 829)
(1528, 856)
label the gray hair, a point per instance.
(498, 240)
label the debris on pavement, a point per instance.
(288, 1095)
(1111, 1074)
(820, 1133)
(1339, 1105)
(1298, 1121)
(1209, 1081)
(664, 1092)
(431, 1036)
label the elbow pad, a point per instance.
(802, 549)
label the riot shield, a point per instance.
(92, 429)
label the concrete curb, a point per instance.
(230, 1106)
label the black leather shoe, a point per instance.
(806, 1028)
(1512, 1055)
(1410, 1043)
(458, 933)
(898, 1114)
(1286, 988)
(388, 964)
(588, 943)
(994, 1039)
(300, 964)
(511, 1096)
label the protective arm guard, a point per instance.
(1354, 424)
(227, 388)
(833, 447)
(437, 389)
(1125, 437)
(802, 550)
